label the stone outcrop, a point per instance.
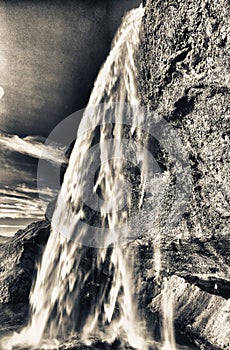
(18, 258)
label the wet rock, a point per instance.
(13, 316)
(18, 259)
(96, 345)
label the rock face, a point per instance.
(198, 314)
(184, 78)
(197, 273)
(18, 259)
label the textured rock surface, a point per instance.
(199, 314)
(198, 275)
(184, 77)
(18, 258)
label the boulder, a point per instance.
(18, 258)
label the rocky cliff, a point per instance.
(184, 78)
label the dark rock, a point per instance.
(18, 259)
(65, 164)
(211, 284)
(50, 209)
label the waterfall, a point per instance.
(167, 311)
(84, 283)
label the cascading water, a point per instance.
(169, 342)
(85, 281)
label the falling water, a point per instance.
(169, 342)
(85, 280)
